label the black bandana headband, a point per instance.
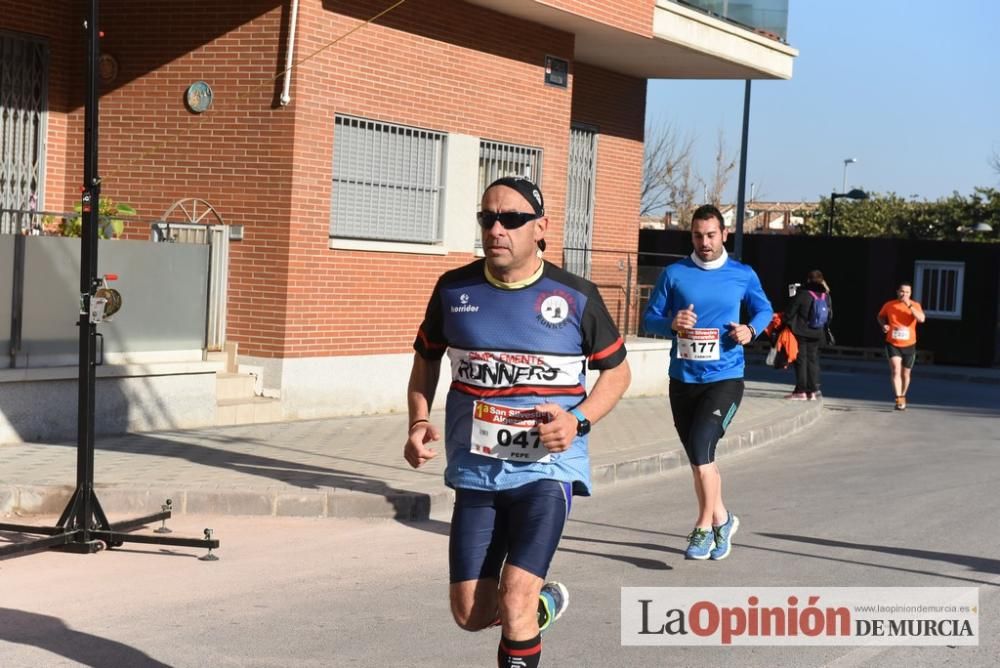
(526, 189)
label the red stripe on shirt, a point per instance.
(540, 390)
(427, 342)
(610, 350)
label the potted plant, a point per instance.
(110, 223)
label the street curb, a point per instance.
(39, 500)
(730, 445)
(407, 505)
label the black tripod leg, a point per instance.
(71, 508)
(102, 521)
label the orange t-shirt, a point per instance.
(902, 324)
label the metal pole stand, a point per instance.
(83, 527)
(68, 536)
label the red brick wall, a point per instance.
(435, 64)
(153, 150)
(236, 155)
(615, 104)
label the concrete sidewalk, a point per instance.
(342, 467)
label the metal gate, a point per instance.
(193, 210)
(24, 66)
(580, 199)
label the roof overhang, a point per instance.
(682, 43)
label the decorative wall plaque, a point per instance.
(198, 97)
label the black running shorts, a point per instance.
(908, 353)
(702, 412)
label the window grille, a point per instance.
(580, 184)
(938, 288)
(387, 182)
(499, 159)
(23, 84)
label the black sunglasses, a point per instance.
(511, 220)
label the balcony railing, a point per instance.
(767, 17)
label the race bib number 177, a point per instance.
(701, 345)
(503, 432)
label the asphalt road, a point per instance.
(867, 497)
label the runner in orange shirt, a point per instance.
(899, 318)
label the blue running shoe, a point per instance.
(700, 544)
(724, 537)
(552, 603)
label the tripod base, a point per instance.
(97, 534)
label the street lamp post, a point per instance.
(853, 194)
(847, 161)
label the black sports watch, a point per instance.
(582, 424)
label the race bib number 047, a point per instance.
(698, 344)
(508, 433)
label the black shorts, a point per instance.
(521, 526)
(909, 354)
(702, 412)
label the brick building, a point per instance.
(355, 192)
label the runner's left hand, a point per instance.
(739, 333)
(558, 433)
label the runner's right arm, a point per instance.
(429, 344)
(419, 398)
(881, 317)
(659, 315)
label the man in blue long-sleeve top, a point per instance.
(697, 301)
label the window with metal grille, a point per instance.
(24, 65)
(578, 233)
(938, 288)
(499, 159)
(388, 181)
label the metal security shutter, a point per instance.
(387, 182)
(499, 159)
(24, 65)
(580, 199)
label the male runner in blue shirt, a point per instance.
(697, 300)
(519, 333)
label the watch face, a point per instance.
(583, 427)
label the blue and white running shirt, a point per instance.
(716, 289)
(516, 346)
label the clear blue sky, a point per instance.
(911, 88)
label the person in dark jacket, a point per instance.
(804, 316)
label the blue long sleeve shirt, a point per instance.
(716, 295)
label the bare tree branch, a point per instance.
(683, 196)
(667, 175)
(723, 171)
